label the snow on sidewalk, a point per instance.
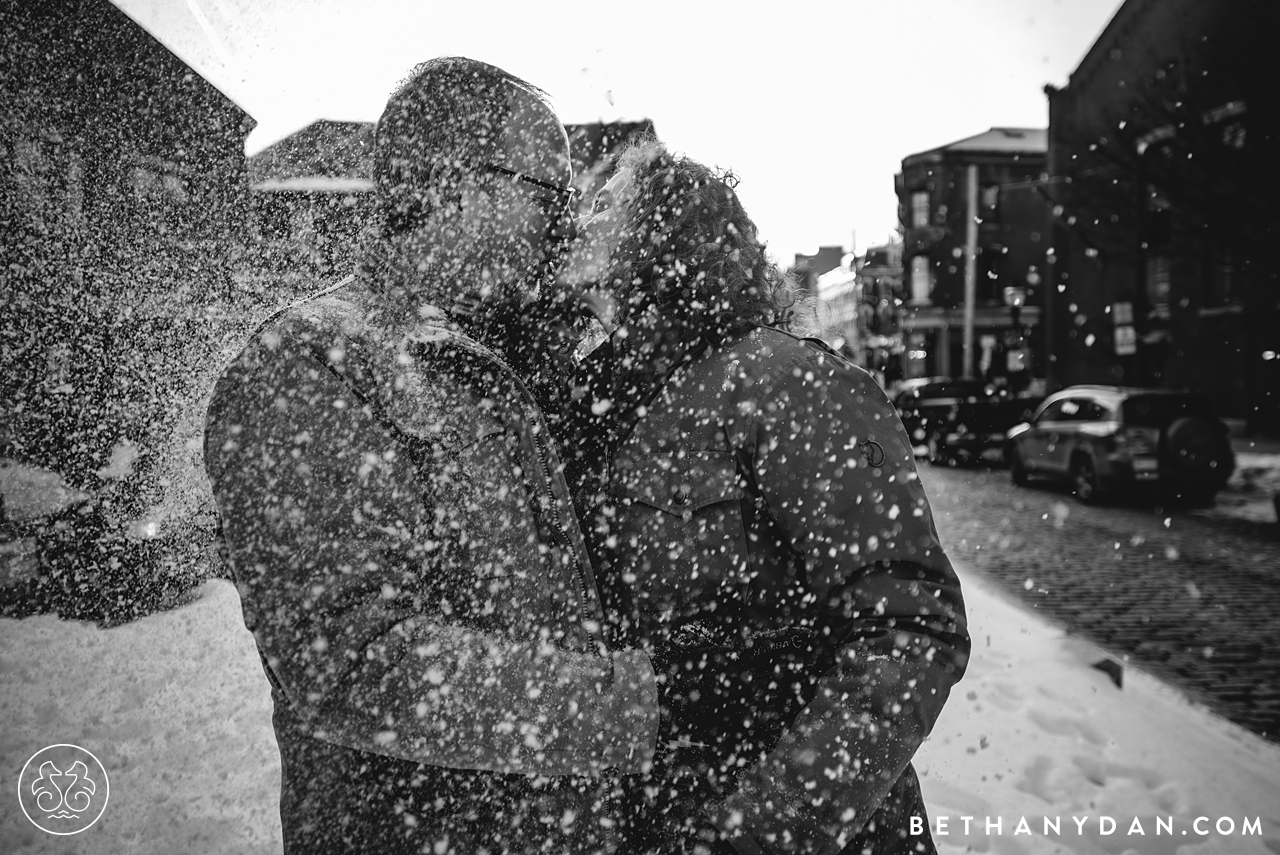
(1251, 492)
(1033, 731)
(177, 709)
(175, 706)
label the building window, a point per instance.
(915, 355)
(1233, 135)
(1158, 283)
(158, 188)
(989, 203)
(921, 281)
(988, 288)
(1220, 280)
(919, 208)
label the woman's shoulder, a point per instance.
(772, 348)
(327, 332)
(781, 359)
(323, 314)
(762, 346)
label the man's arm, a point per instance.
(891, 610)
(330, 541)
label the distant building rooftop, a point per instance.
(993, 141)
(324, 149)
(330, 156)
(316, 184)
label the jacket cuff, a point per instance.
(630, 726)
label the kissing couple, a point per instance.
(555, 531)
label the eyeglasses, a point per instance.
(566, 201)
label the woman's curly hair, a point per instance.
(692, 250)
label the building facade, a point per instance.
(999, 175)
(881, 301)
(829, 277)
(1162, 152)
(839, 308)
(125, 193)
(312, 195)
(807, 268)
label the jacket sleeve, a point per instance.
(328, 537)
(835, 467)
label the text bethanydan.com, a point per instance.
(1089, 826)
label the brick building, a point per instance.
(1012, 237)
(1163, 153)
(881, 293)
(124, 195)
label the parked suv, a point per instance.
(1105, 438)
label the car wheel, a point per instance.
(1017, 468)
(1193, 447)
(1084, 480)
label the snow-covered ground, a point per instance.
(177, 709)
(1250, 494)
(1034, 731)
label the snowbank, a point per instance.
(176, 708)
(1250, 494)
(1034, 731)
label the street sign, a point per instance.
(1122, 314)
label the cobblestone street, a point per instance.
(1193, 600)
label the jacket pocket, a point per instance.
(681, 543)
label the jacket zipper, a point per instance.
(584, 600)
(555, 510)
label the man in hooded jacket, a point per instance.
(397, 525)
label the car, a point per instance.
(922, 400)
(1106, 439)
(954, 421)
(67, 551)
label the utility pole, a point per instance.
(970, 268)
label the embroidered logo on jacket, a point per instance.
(873, 452)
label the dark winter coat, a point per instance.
(770, 485)
(410, 566)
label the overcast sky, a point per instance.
(812, 103)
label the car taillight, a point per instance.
(1138, 440)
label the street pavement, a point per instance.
(1192, 599)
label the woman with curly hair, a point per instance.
(761, 531)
